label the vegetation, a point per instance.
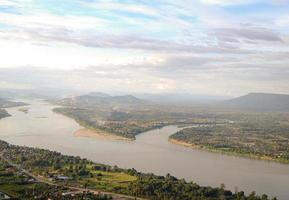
(18, 185)
(71, 171)
(124, 116)
(254, 134)
(116, 123)
(128, 116)
(263, 136)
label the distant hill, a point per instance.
(260, 102)
(4, 103)
(100, 99)
(180, 98)
(126, 99)
(98, 94)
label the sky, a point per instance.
(216, 47)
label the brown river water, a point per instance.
(150, 152)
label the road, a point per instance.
(43, 180)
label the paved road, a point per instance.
(43, 180)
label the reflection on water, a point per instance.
(151, 152)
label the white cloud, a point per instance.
(230, 2)
(7, 3)
(58, 56)
(9, 85)
(47, 20)
(243, 2)
(130, 7)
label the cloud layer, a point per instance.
(198, 46)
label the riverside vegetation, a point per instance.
(261, 135)
(124, 116)
(69, 171)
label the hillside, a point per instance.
(260, 102)
(100, 99)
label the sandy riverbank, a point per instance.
(174, 141)
(98, 134)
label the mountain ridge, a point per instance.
(262, 102)
(98, 99)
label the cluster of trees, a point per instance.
(168, 187)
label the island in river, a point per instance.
(258, 135)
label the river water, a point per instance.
(150, 152)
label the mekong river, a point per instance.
(150, 152)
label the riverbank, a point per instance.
(230, 153)
(84, 175)
(98, 134)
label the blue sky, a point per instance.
(219, 47)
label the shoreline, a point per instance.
(98, 134)
(178, 142)
(204, 148)
(91, 132)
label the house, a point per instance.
(62, 178)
